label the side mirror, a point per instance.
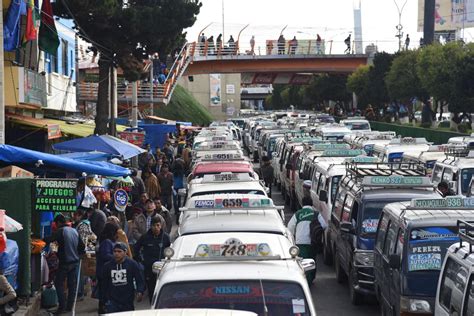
(323, 196)
(308, 264)
(394, 261)
(281, 161)
(274, 154)
(307, 184)
(347, 227)
(182, 192)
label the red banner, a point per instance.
(133, 137)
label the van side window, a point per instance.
(437, 173)
(391, 241)
(321, 182)
(469, 301)
(316, 180)
(400, 242)
(346, 210)
(448, 175)
(382, 229)
(338, 205)
(452, 286)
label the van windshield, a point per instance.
(281, 298)
(427, 247)
(466, 175)
(370, 217)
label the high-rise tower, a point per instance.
(358, 45)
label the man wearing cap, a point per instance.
(70, 247)
(120, 276)
(150, 247)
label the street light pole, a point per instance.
(223, 25)
(399, 27)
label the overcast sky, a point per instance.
(332, 19)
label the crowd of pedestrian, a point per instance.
(124, 242)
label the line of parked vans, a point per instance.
(232, 250)
(391, 234)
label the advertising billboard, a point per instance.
(449, 14)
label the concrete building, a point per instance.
(219, 93)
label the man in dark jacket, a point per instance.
(70, 247)
(150, 246)
(266, 171)
(119, 276)
(138, 186)
(166, 180)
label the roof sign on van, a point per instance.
(233, 247)
(362, 158)
(242, 203)
(342, 152)
(451, 202)
(225, 177)
(397, 181)
(408, 141)
(323, 147)
(222, 156)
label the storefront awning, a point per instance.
(21, 156)
(57, 128)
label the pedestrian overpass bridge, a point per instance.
(280, 65)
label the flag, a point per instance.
(48, 39)
(11, 27)
(31, 22)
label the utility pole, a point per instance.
(2, 84)
(428, 23)
(113, 101)
(134, 104)
(151, 89)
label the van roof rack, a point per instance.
(359, 170)
(466, 233)
(458, 152)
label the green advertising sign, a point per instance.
(397, 181)
(342, 152)
(447, 203)
(55, 195)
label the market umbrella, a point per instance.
(101, 143)
(11, 225)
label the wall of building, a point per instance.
(61, 71)
(200, 88)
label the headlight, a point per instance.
(365, 258)
(414, 305)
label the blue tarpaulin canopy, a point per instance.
(103, 143)
(17, 155)
(90, 156)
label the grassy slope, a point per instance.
(184, 107)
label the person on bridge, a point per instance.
(281, 45)
(202, 43)
(347, 41)
(407, 42)
(318, 44)
(211, 50)
(219, 44)
(293, 46)
(231, 43)
(252, 45)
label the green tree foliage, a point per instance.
(358, 82)
(328, 87)
(125, 32)
(377, 73)
(402, 80)
(446, 72)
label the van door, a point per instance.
(453, 283)
(387, 280)
(379, 268)
(397, 275)
(345, 240)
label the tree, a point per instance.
(446, 73)
(358, 82)
(377, 73)
(402, 81)
(127, 32)
(328, 87)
